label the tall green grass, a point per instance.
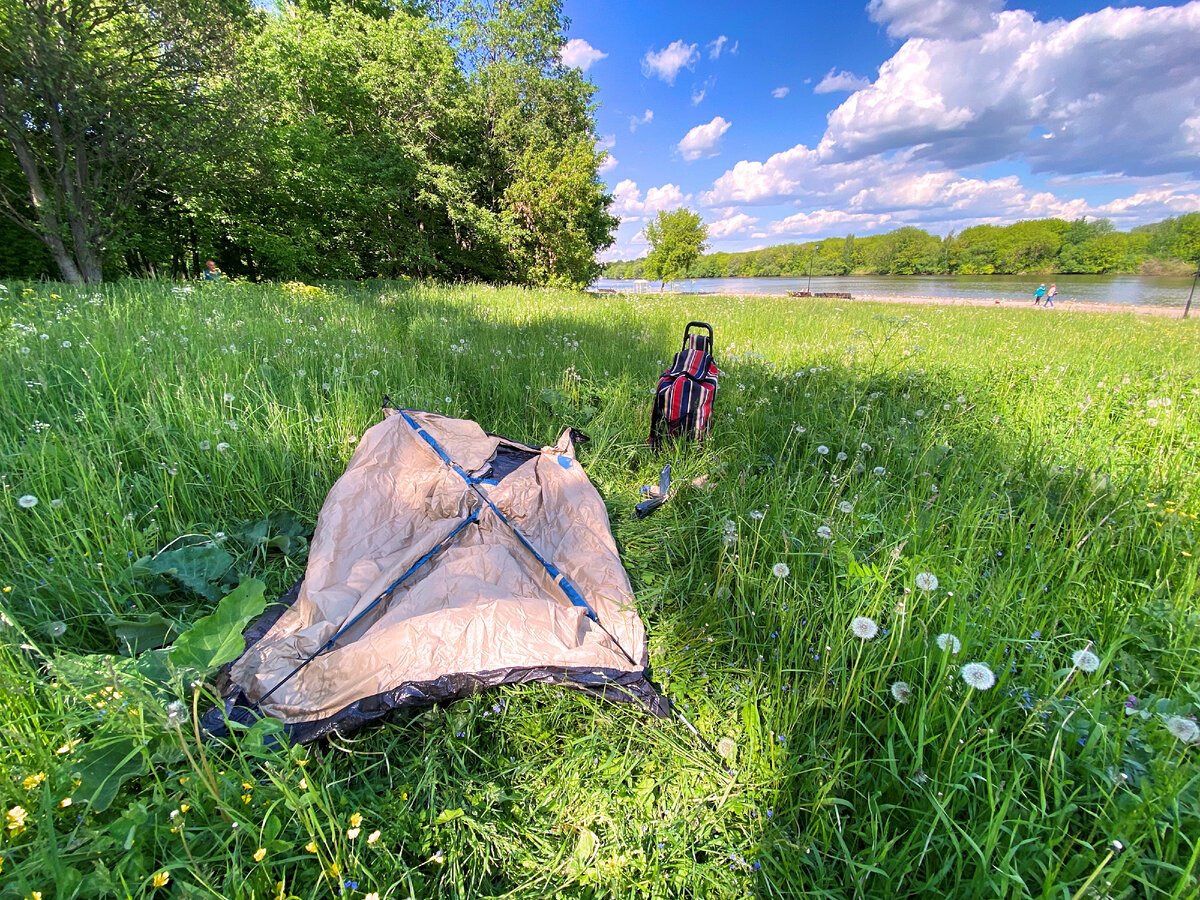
(1042, 466)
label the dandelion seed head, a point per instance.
(1184, 729)
(926, 581)
(901, 692)
(825, 533)
(1085, 661)
(726, 748)
(864, 628)
(780, 570)
(978, 676)
(823, 450)
(846, 506)
(947, 641)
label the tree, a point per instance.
(676, 239)
(99, 100)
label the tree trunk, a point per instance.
(47, 218)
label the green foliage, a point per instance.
(676, 239)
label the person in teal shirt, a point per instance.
(1039, 294)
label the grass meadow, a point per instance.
(928, 593)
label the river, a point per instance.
(1128, 290)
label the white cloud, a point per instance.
(610, 163)
(780, 92)
(828, 221)
(704, 140)
(842, 81)
(729, 225)
(715, 47)
(579, 53)
(628, 201)
(646, 118)
(1117, 89)
(934, 18)
(606, 141)
(666, 63)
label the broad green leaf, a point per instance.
(217, 638)
(142, 633)
(103, 769)
(198, 568)
(448, 815)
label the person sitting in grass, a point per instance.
(211, 272)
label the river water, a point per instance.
(1129, 290)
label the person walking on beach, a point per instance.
(1050, 295)
(1039, 293)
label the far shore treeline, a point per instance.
(315, 139)
(1038, 247)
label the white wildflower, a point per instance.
(27, 501)
(901, 692)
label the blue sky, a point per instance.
(784, 122)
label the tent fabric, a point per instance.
(445, 560)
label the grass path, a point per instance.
(889, 495)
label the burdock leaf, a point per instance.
(217, 638)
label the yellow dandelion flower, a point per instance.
(302, 762)
(33, 781)
(247, 786)
(37, 895)
(161, 878)
(334, 870)
(16, 818)
(356, 820)
(66, 801)
(259, 854)
(184, 807)
(246, 798)
(373, 837)
(8, 589)
(311, 846)
(352, 833)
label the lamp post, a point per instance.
(811, 254)
(1188, 305)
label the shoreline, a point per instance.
(919, 300)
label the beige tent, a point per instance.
(445, 560)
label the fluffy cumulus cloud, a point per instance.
(1113, 91)
(731, 224)
(704, 140)
(579, 53)
(610, 163)
(666, 63)
(841, 81)
(780, 92)
(1110, 99)
(934, 18)
(629, 203)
